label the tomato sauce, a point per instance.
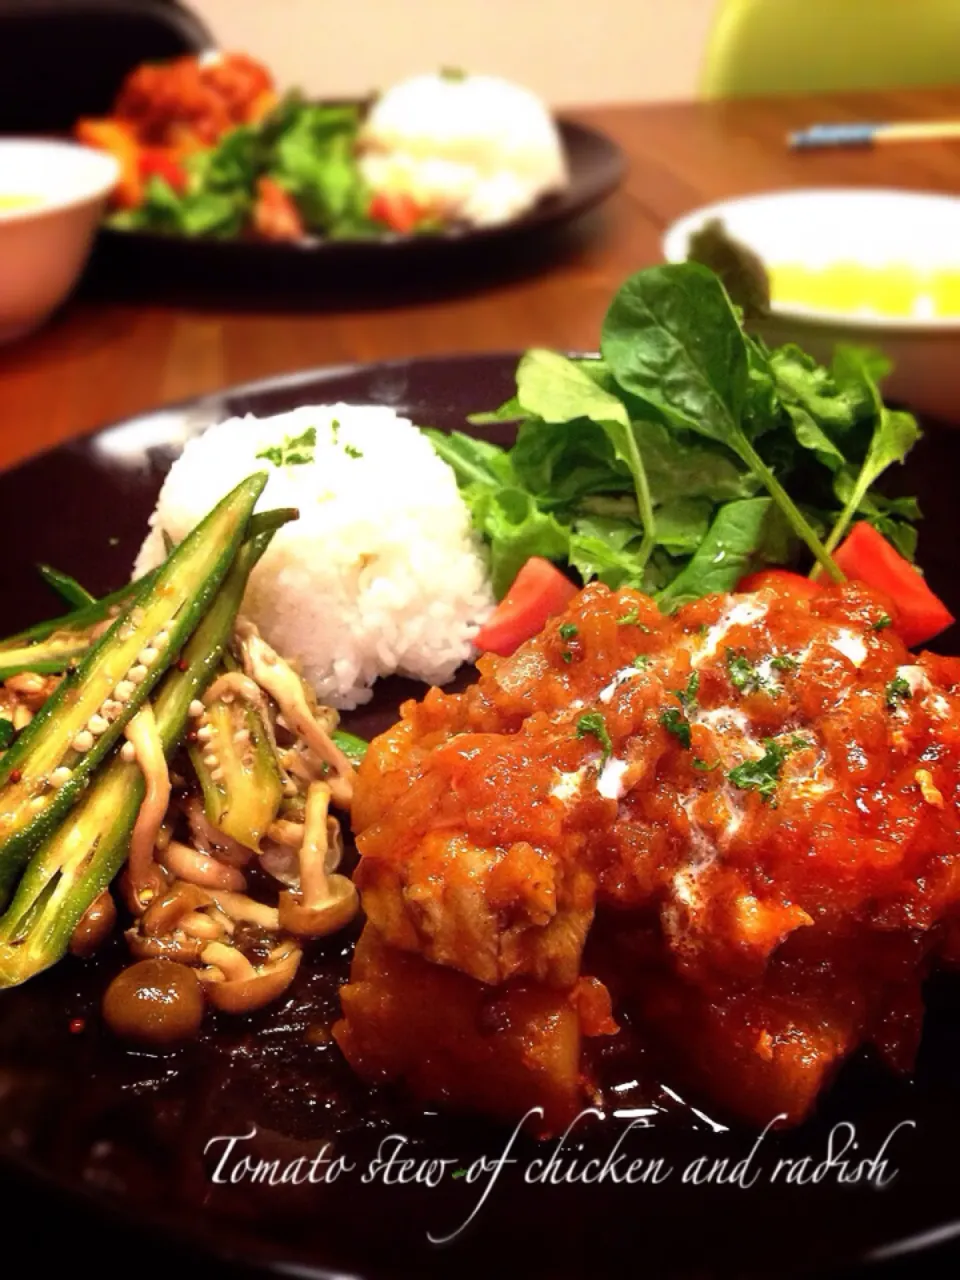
(740, 821)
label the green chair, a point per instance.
(823, 46)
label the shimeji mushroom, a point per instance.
(264, 665)
(326, 901)
(236, 985)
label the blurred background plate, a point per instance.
(138, 261)
(869, 266)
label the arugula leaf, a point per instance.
(894, 436)
(672, 337)
(592, 723)
(7, 733)
(731, 548)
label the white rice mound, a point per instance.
(476, 147)
(381, 573)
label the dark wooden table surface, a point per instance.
(101, 359)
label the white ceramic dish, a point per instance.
(875, 227)
(44, 244)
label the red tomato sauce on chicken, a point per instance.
(739, 823)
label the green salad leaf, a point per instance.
(688, 454)
(309, 149)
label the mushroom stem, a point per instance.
(143, 734)
(201, 868)
(282, 683)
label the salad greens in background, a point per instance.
(309, 149)
(686, 456)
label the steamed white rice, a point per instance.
(472, 147)
(381, 573)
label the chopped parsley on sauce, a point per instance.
(883, 622)
(592, 724)
(675, 722)
(569, 630)
(763, 775)
(897, 692)
(674, 719)
(632, 619)
(744, 676)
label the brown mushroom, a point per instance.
(251, 987)
(175, 946)
(325, 902)
(201, 868)
(154, 1001)
(94, 926)
(166, 912)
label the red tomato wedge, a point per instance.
(539, 591)
(783, 580)
(867, 556)
(398, 210)
(157, 161)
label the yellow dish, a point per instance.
(895, 291)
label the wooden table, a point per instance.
(99, 361)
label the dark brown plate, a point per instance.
(124, 1133)
(596, 167)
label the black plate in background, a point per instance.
(139, 260)
(125, 1131)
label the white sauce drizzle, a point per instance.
(610, 783)
(740, 614)
(850, 645)
(622, 677)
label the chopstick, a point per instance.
(866, 134)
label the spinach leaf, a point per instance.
(672, 337)
(732, 547)
(564, 462)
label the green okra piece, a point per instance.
(52, 646)
(45, 772)
(75, 864)
(353, 748)
(237, 770)
(66, 587)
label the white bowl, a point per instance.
(44, 245)
(873, 227)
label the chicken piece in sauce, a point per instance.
(194, 100)
(744, 816)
